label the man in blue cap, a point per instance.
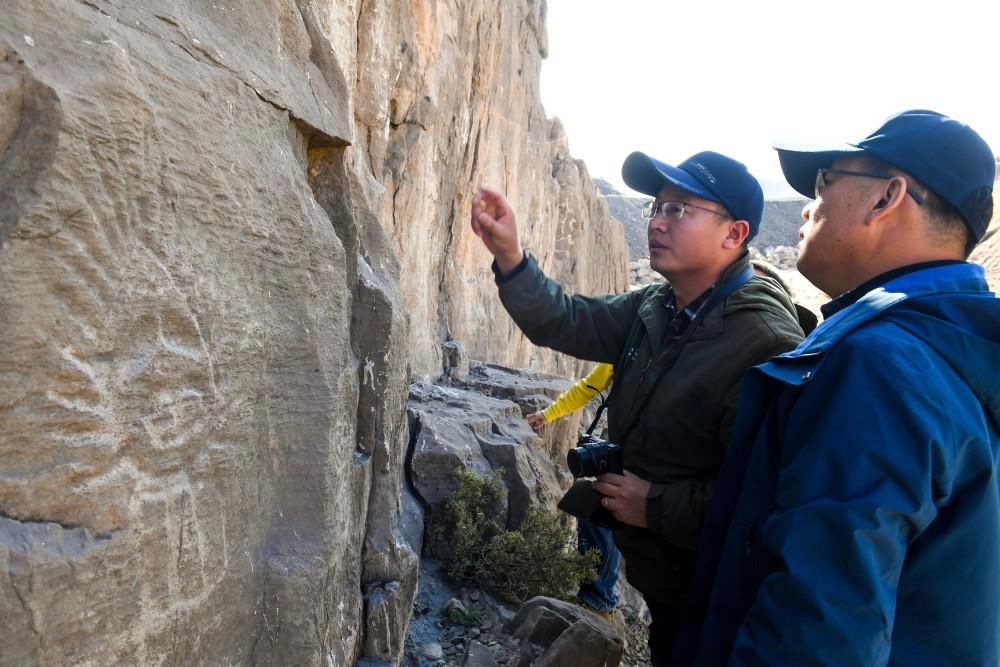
(857, 516)
(679, 351)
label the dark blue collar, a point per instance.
(851, 297)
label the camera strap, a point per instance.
(600, 411)
(716, 299)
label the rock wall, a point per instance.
(448, 99)
(228, 233)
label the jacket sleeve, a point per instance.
(580, 393)
(677, 510)
(594, 328)
(853, 489)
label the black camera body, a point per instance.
(593, 457)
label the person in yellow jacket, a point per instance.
(575, 397)
(599, 594)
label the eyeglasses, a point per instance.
(674, 210)
(822, 181)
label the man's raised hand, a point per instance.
(493, 221)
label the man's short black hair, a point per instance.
(944, 220)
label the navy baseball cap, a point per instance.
(943, 154)
(708, 175)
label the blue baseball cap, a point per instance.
(946, 156)
(708, 175)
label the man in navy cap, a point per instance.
(857, 516)
(679, 351)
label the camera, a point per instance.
(593, 457)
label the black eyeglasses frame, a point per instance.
(822, 184)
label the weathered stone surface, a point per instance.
(556, 633)
(432, 651)
(477, 655)
(518, 385)
(388, 607)
(227, 235)
(449, 100)
(194, 405)
(531, 391)
(456, 361)
(578, 237)
(586, 643)
(457, 428)
(627, 210)
(477, 424)
(539, 624)
(443, 421)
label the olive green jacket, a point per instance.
(679, 440)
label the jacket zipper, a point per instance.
(642, 373)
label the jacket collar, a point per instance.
(711, 324)
(852, 296)
(799, 366)
(965, 337)
(961, 277)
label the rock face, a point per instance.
(448, 100)
(227, 235)
(556, 633)
(641, 274)
(477, 424)
(627, 209)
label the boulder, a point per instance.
(432, 651)
(459, 428)
(456, 361)
(560, 634)
(532, 391)
(477, 655)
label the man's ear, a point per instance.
(890, 198)
(739, 230)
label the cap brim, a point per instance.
(648, 176)
(799, 164)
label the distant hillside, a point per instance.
(782, 219)
(628, 211)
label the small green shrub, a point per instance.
(471, 518)
(538, 558)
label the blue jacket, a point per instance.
(856, 520)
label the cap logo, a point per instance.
(705, 172)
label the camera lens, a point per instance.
(581, 462)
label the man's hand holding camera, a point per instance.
(624, 496)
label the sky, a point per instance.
(674, 78)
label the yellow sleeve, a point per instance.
(581, 392)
